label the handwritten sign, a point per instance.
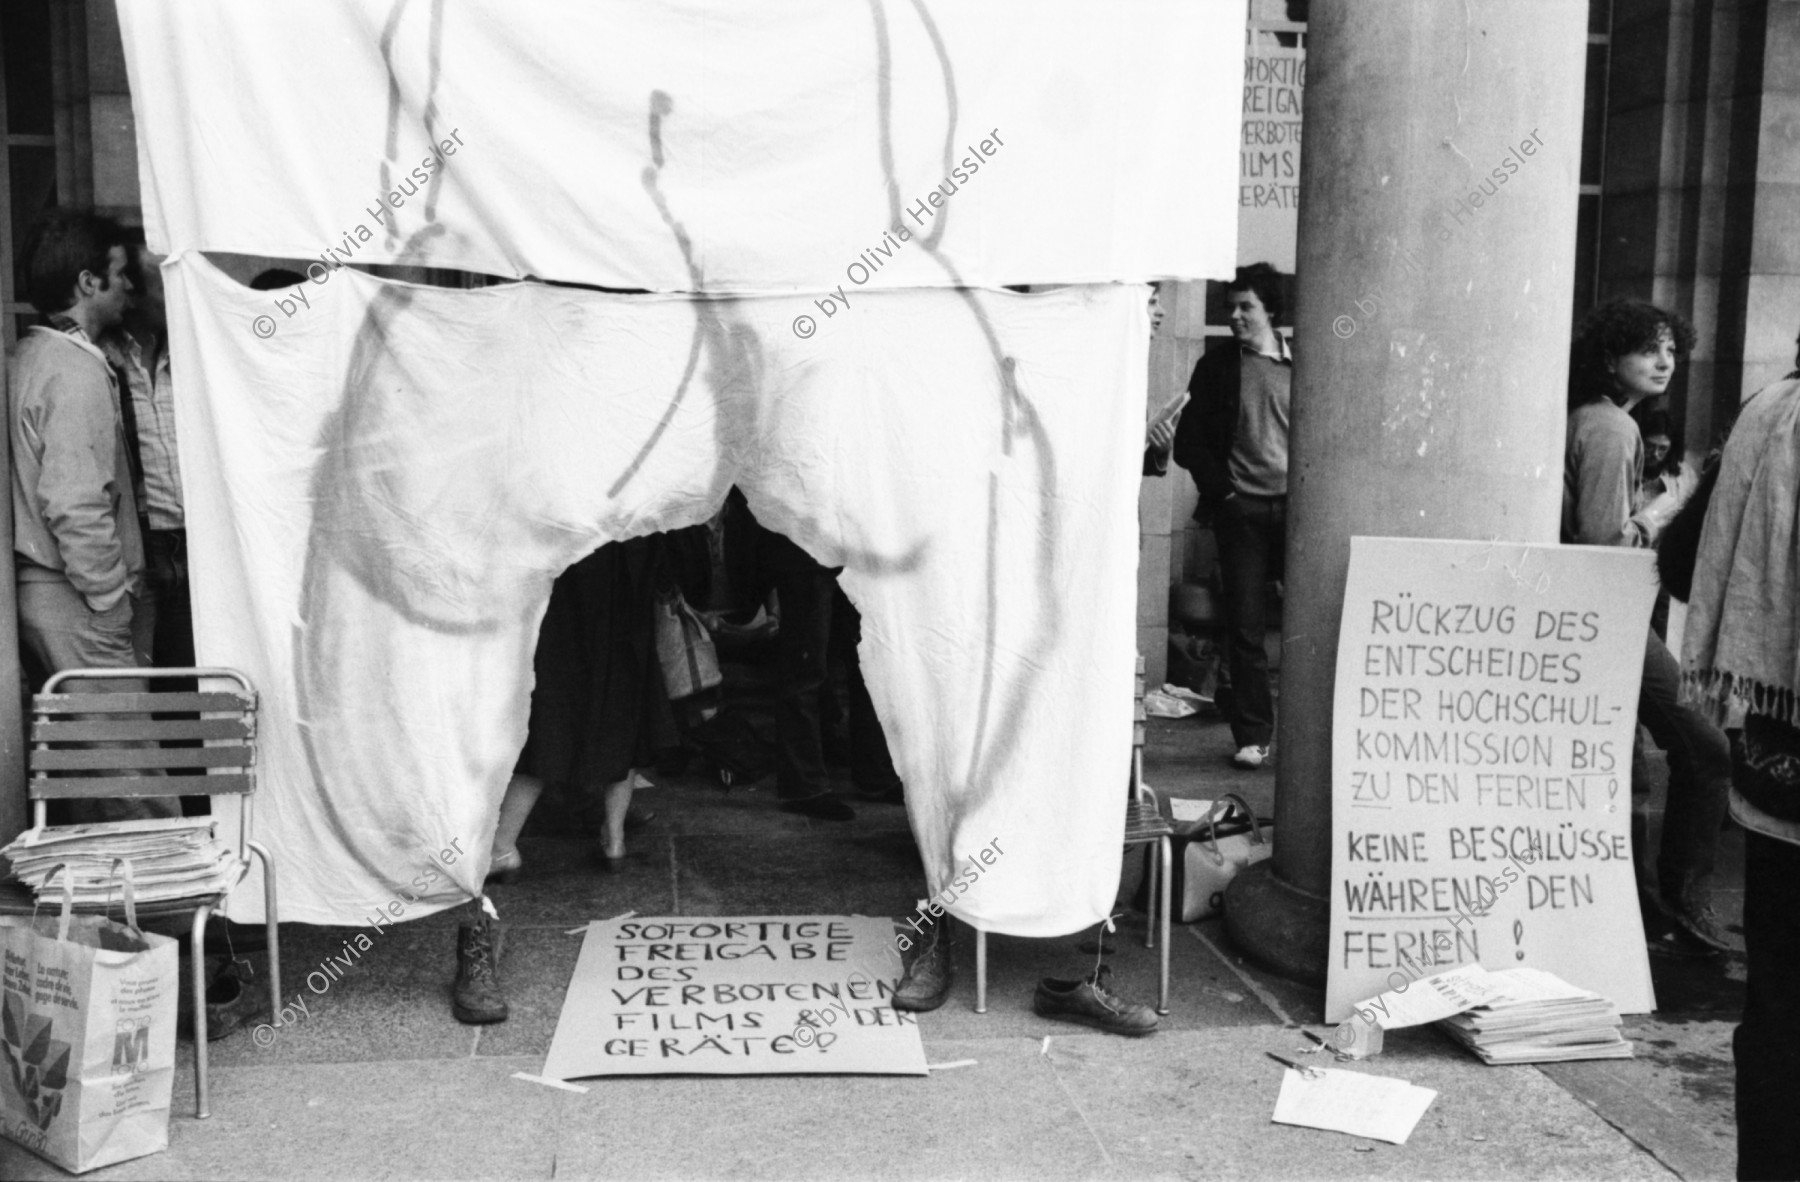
(1269, 156)
(1485, 707)
(739, 995)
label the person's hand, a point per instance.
(1161, 435)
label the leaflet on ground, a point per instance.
(1432, 998)
(1376, 1106)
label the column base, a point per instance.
(1278, 926)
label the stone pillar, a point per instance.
(1772, 284)
(1437, 240)
(1702, 200)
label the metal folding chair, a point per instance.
(67, 763)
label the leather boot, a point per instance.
(927, 980)
(477, 997)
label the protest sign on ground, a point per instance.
(737, 995)
(1485, 707)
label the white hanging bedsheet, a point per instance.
(384, 491)
(383, 480)
(687, 145)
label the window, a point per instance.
(28, 175)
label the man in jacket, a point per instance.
(1233, 437)
(78, 551)
(138, 351)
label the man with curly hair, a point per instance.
(1626, 352)
(1233, 437)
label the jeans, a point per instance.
(1252, 536)
(60, 631)
(165, 600)
(1699, 780)
(1768, 1090)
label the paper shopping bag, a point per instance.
(684, 648)
(87, 1031)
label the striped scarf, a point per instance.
(1742, 644)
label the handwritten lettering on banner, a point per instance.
(1485, 706)
(735, 995)
(1269, 155)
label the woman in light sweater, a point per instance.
(1626, 352)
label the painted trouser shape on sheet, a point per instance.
(382, 496)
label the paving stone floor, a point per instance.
(380, 1081)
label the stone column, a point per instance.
(1437, 241)
(1700, 206)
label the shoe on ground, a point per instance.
(476, 997)
(1698, 924)
(823, 807)
(927, 980)
(1251, 755)
(1089, 1002)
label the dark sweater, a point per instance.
(1207, 432)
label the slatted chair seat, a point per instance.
(67, 762)
(1145, 825)
(1143, 822)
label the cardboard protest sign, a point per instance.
(738, 995)
(1269, 155)
(1485, 707)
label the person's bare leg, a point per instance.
(618, 799)
(522, 794)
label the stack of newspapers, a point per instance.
(170, 858)
(1539, 1018)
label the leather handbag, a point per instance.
(1229, 839)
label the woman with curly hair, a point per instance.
(1626, 352)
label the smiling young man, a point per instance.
(1625, 353)
(1233, 437)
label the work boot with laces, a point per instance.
(927, 980)
(1091, 1003)
(477, 997)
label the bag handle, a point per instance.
(690, 623)
(68, 900)
(131, 919)
(1231, 800)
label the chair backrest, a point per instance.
(93, 742)
(1137, 713)
(1138, 722)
